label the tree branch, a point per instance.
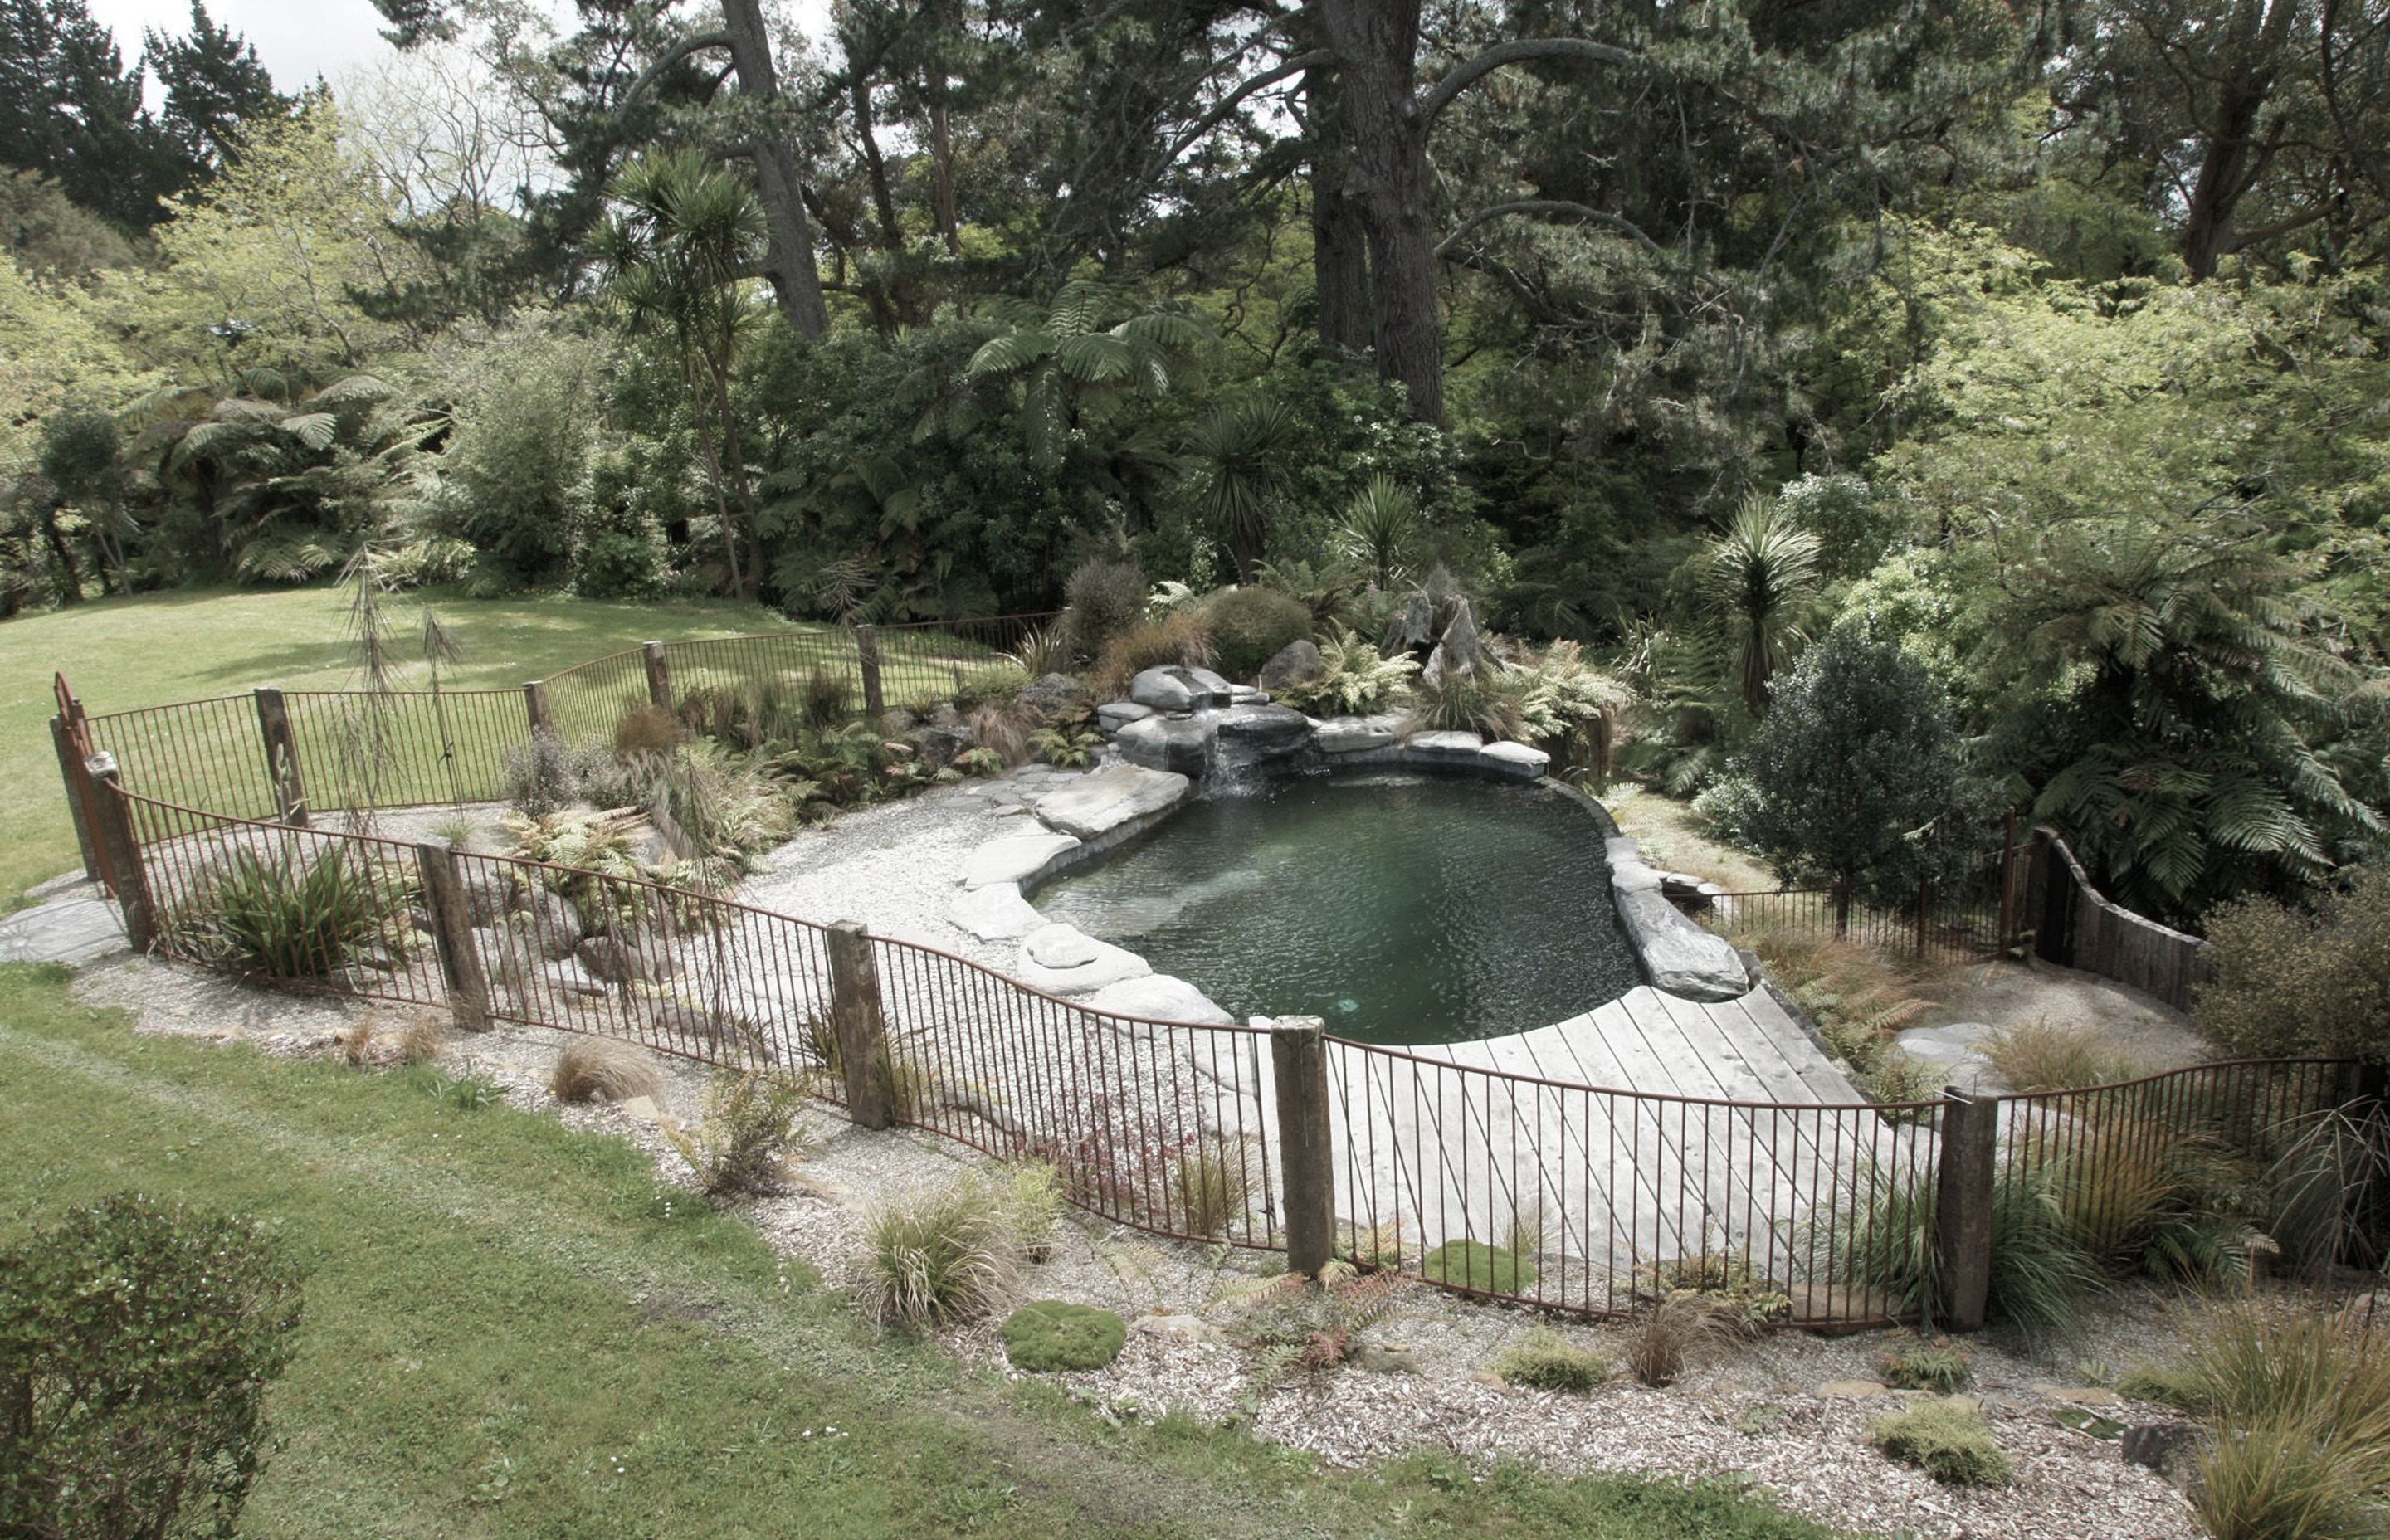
(672, 56)
(1547, 205)
(1462, 77)
(1234, 99)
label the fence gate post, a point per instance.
(281, 758)
(70, 771)
(121, 849)
(452, 935)
(1963, 1207)
(535, 707)
(1306, 1157)
(866, 654)
(658, 674)
(860, 1026)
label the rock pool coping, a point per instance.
(1125, 799)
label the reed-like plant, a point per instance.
(285, 916)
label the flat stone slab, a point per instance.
(1160, 997)
(1062, 959)
(1115, 795)
(1182, 745)
(1016, 858)
(1112, 718)
(64, 930)
(1353, 735)
(996, 912)
(1682, 958)
(1173, 688)
(1514, 761)
(1445, 746)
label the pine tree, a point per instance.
(214, 87)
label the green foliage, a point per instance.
(2313, 979)
(1566, 703)
(1381, 527)
(1105, 597)
(1757, 576)
(2280, 1481)
(1181, 637)
(1355, 682)
(1067, 746)
(1952, 1445)
(1940, 1366)
(2298, 1404)
(1857, 774)
(138, 1341)
(937, 1257)
(1050, 1336)
(1485, 702)
(514, 472)
(1473, 1265)
(1544, 1360)
(1249, 626)
(1297, 1324)
(1033, 1201)
(2041, 1278)
(741, 1146)
(285, 916)
(1236, 451)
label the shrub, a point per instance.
(136, 1344)
(2289, 982)
(544, 776)
(286, 920)
(620, 564)
(2151, 1196)
(941, 1256)
(603, 1068)
(830, 698)
(748, 1128)
(1355, 683)
(1474, 1264)
(1950, 1445)
(2041, 1276)
(1544, 1360)
(1665, 1337)
(1049, 1336)
(1249, 626)
(1940, 1366)
(1484, 703)
(1725, 1281)
(2037, 1056)
(1181, 637)
(1104, 597)
(1067, 746)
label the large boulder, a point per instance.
(1682, 958)
(1112, 717)
(1062, 959)
(1160, 997)
(1180, 744)
(1446, 748)
(1412, 628)
(550, 922)
(1516, 762)
(1461, 651)
(1111, 797)
(938, 746)
(1354, 735)
(995, 912)
(1265, 730)
(1054, 694)
(1174, 688)
(1298, 663)
(618, 960)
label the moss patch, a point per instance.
(1474, 1264)
(1048, 1336)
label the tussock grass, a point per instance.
(604, 1069)
(938, 1257)
(2035, 1055)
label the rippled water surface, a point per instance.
(1404, 909)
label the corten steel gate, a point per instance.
(1566, 1196)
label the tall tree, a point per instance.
(72, 110)
(215, 87)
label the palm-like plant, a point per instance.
(1085, 355)
(2173, 689)
(681, 260)
(1234, 450)
(1757, 576)
(1380, 524)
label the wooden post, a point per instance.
(281, 758)
(120, 848)
(2008, 883)
(535, 707)
(861, 1028)
(1963, 1207)
(70, 772)
(866, 654)
(659, 676)
(452, 935)
(1306, 1160)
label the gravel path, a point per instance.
(1751, 1413)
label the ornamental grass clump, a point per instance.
(603, 1068)
(2034, 1056)
(938, 1257)
(1953, 1445)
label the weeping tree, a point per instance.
(679, 259)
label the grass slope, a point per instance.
(159, 647)
(510, 1331)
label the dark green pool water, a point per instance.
(1404, 909)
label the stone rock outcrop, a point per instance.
(1113, 796)
(1297, 663)
(1062, 959)
(1112, 718)
(1160, 997)
(1264, 731)
(1514, 761)
(1682, 958)
(995, 912)
(1174, 688)
(1053, 693)
(1354, 735)
(1022, 859)
(1183, 745)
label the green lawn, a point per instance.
(161, 648)
(510, 1331)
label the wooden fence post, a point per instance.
(1963, 1207)
(535, 707)
(70, 771)
(2008, 883)
(866, 654)
(281, 758)
(659, 676)
(121, 849)
(1306, 1160)
(452, 935)
(860, 1026)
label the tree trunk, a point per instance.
(790, 261)
(2223, 178)
(1340, 255)
(1377, 49)
(71, 578)
(883, 201)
